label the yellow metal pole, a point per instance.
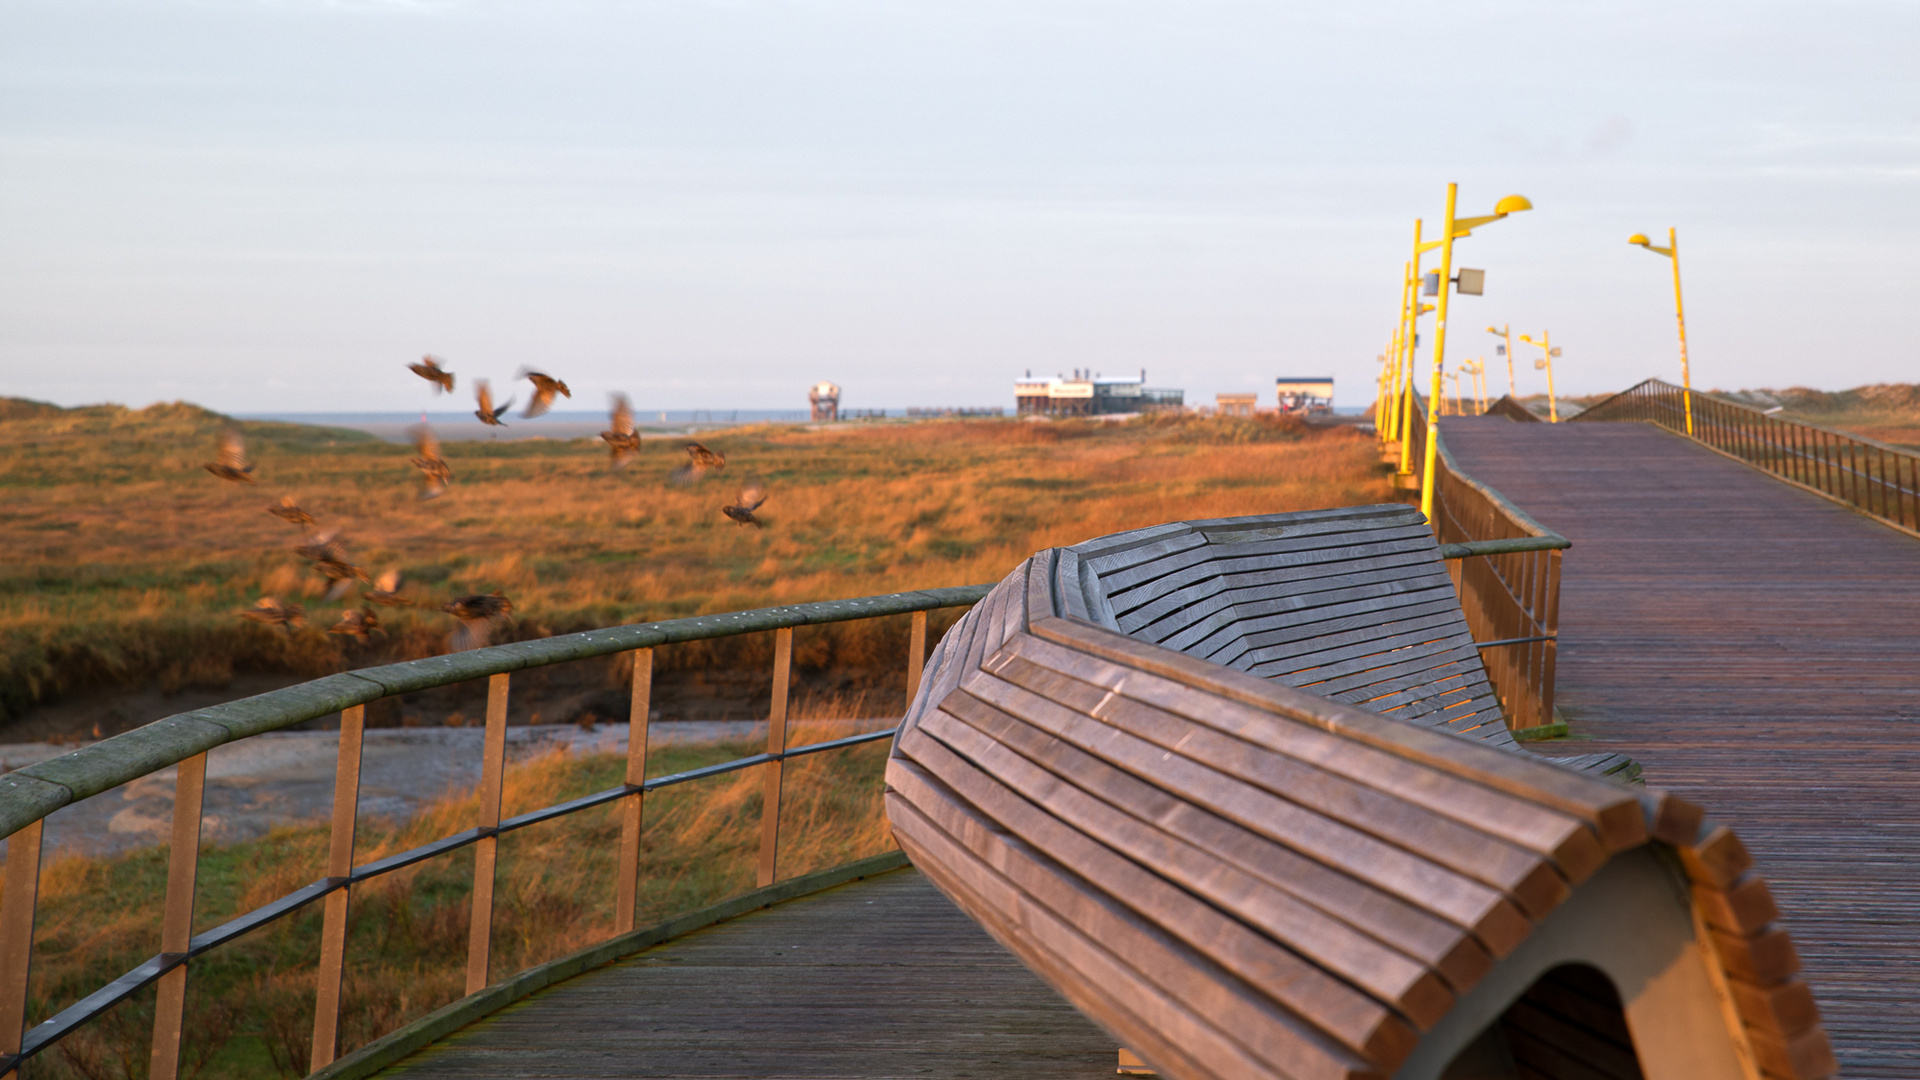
(1412, 346)
(1680, 317)
(1439, 354)
(1513, 387)
(1546, 346)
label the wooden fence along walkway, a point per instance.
(1753, 646)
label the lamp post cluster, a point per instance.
(1394, 403)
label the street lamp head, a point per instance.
(1512, 204)
(1528, 340)
(1639, 238)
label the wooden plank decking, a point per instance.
(879, 978)
(1758, 648)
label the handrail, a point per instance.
(28, 795)
(1506, 569)
(1878, 480)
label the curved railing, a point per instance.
(29, 795)
(1878, 480)
(1506, 568)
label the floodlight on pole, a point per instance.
(1545, 363)
(1672, 251)
(1505, 334)
(1452, 228)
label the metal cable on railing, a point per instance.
(28, 795)
(1878, 480)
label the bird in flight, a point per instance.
(476, 614)
(290, 512)
(233, 459)
(273, 613)
(544, 387)
(622, 438)
(328, 553)
(437, 473)
(386, 590)
(359, 622)
(429, 369)
(751, 498)
(489, 415)
(700, 461)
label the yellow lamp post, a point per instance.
(1505, 334)
(1545, 363)
(1672, 251)
(1453, 228)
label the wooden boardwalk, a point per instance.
(879, 978)
(1757, 648)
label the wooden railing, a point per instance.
(1506, 569)
(1878, 480)
(28, 795)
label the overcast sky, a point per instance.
(274, 205)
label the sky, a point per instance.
(274, 205)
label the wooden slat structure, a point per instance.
(1236, 790)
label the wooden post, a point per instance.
(16, 935)
(333, 929)
(176, 922)
(626, 898)
(493, 770)
(916, 656)
(776, 744)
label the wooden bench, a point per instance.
(1237, 789)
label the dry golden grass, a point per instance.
(127, 561)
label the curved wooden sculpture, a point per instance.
(1210, 781)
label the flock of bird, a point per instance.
(476, 615)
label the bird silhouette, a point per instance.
(433, 467)
(386, 591)
(700, 461)
(358, 622)
(622, 438)
(544, 387)
(476, 614)
(233, 459)
(323, 545)
(328, 553)
(429, 369)
(289, 511)
(274, 613)
(741, 512)
(489, 415)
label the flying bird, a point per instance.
(289, 511)
(751, 498)
(429, 369)
(233, 459)
(476, 614)
(328, 553)
(700, 461)
(386, 591)
(489, 415)
(274, 613)
(437, 473)
(358, 622)
(544, 387)
(622, 438)
(323, 545)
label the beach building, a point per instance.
(1087, 394)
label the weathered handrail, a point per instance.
(1506, 568)
(1878, 480)
(28, 795)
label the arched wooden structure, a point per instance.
(1238, 790)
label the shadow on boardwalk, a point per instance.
(1757, 648)
(879, 978)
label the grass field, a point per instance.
(127, 561)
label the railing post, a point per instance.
(916, 656)
(176, 920)
(333, 927)
(493, 770)
(626, 892)
(16, 935)
(776, 744)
